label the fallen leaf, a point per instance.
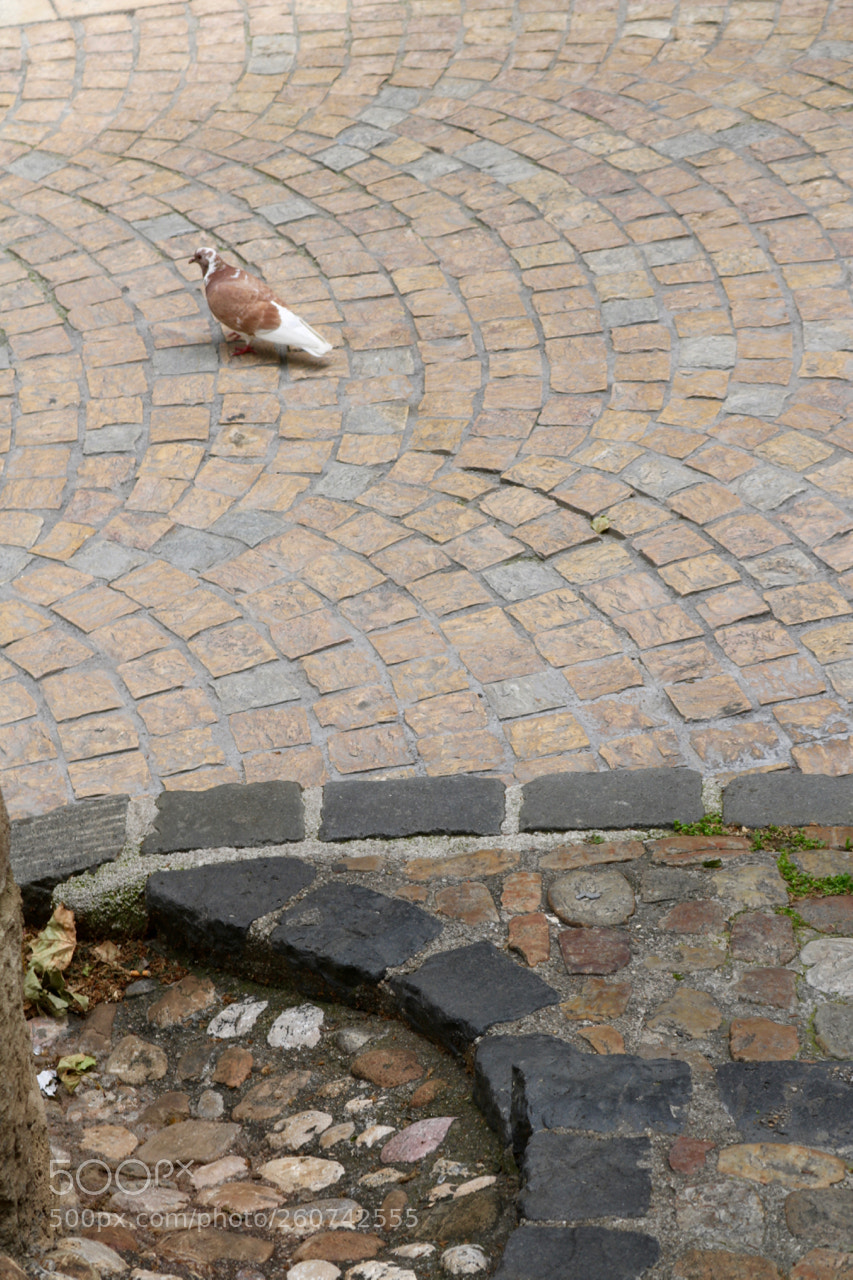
(54, 947)
(71, 1068)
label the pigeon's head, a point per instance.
(207, 259)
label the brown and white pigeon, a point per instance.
(249, 308)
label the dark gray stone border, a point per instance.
(80, 837)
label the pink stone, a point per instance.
(416, 1140)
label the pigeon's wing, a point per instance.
(291, 331)
(241, 302)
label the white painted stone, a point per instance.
(830, 962)
(374, 1134)
(297, 1131)
(413, 1250)
(236, 1019)
(475, 1184)
(297, 1028)
(224, 1170)
(381, 1176)
(302, 1173)
(464, 1260)
(337, 1133)
(357, 1105)
(314, 1269)
(374, 1270)
(139, 1273)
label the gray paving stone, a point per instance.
(458, 995)
(744, 135)
(349, 936)
(568, 1176)
(12, 561)
(629, 311)
(563, 1253)
(627, 798)
(523, 578)
(48, 849)
(36, 165)
(107, 560)
(372, 364)
(340, 157)
(806, 1102)
(208, 910)
(118, 438)
(376, 419)
(382, 117)
(623, 1094)
(433, 165)
(250, 527)
(412, 806)
(557, 1086)
(526, 694)
(766, 488)
(659, 477)
(287, 210)
(766, 400)
(756, 799)
(685, 144)
(164, 227)
(666, 252)
(238, 815)
(834, 1029)
(365, 136)
(711, 352)
(341, 480)
(195, 549)
(603, 262)
(824, 1217)
(263, 686)
(198, 358)
(404, 99)
(785, 568)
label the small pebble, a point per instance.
(464, 1260)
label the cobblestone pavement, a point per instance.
(572, 491)
(710, 1140)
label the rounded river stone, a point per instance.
(592, 897)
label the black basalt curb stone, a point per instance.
(810, 1102)
(456, 996)
(788, 798)
(576, 1253)
(48, 849)
(348, 935)
(568, 1176)
(412, 806)
(209, 909)
(239, 815)
(629, 798)
(526, 1083)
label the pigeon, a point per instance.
(249, 308)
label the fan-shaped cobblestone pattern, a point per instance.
(573, 491)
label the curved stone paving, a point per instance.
(572, 492)
(668, 1057)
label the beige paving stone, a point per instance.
(590, 330)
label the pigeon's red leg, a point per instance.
(241, 351)
(232, 336)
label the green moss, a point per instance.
(710, 825)
(800, 883)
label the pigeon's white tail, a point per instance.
(293, 332)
